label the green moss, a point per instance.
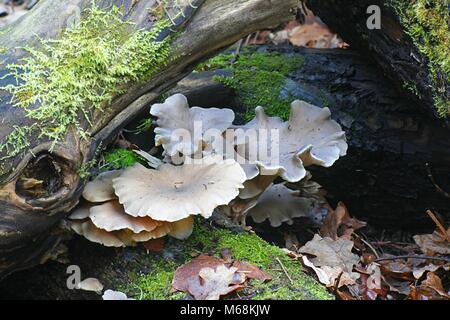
(68, 79)
(247, 247)
(426, 22)
(258, 79)
(120, 159)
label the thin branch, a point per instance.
(413, 257)
(438, 224)
(285, 271)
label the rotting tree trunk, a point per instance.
(383, 179)
(25, 223)
(400, 46)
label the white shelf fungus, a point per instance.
(172, 193)
(310, 137)
(182, 129)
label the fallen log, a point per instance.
(27, 219)
(411, 46)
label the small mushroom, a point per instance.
(280, 204)
(100, 189)
(172, 193)
(182, 229)
(90, 284)
(115, 295)
(175, 118)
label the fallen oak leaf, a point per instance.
(191, 270)
(331, 253)
(214, 283)
(333, 260)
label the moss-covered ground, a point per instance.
(156, 284)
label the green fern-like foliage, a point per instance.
(67, 79)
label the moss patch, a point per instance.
(66, 80)
(426, 22)
(156, 283)
(258, 79)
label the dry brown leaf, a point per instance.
(430, 289)
(371, 285)
(333, 258)
(188, 277)
(251, 272)
(434, 243)
(399, 286)
(214, 283)
(419, 271)
(191, 270)
(397, 269)
(338, 224)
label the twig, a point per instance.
(438, 224)
(336, 283)
(285, 271)
(369, 245)
(438, 188)
(413, 257)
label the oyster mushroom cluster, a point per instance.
(138, 204)
(208, 164)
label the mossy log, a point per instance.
(411, 47)
(384, 178)
(26, 220)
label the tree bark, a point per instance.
(25, 223)
(391, 47)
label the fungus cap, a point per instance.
(88, 230)
(172, 193)
(175, 115)
(280, 204)
(100, 189)
(310, 137)
(111, 216)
